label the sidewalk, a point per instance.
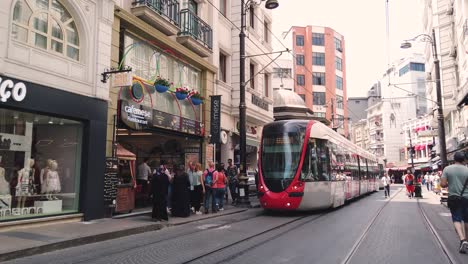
(36, 240)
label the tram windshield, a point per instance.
(281, 149)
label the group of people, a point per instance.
(183, 191)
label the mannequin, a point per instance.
(23, 187)
(52, 181)
(4, 185)
(43, 175)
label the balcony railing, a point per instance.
(167, 8)
(192, 25)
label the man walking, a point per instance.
(456, 178)
(232, 173)
(386, 183)
(409, 182)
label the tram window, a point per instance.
(323, 158)
(306, 173)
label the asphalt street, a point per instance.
(369, 230)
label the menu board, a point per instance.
(110, 181)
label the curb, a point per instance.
(27, 252)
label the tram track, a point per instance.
(364, 234)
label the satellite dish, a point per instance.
(224, 137)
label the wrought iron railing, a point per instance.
(195, 27)
(167, 8)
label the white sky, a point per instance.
(363, 25)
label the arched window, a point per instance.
(46, 24)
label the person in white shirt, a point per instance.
(426, 181)
(144, 171)
(386, 183)
(431, 181)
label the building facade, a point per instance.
(419, 135)
(53, 108)
(320, 73)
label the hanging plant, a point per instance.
(182, 93)
(196, 97)
(162, 85)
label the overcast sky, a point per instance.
(363, 25)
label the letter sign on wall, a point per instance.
(9, 89)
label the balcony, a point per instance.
(195, 33)
(161, 14)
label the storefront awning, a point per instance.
(124, 154)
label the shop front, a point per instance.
(52, 150)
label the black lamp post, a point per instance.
(243, 178)
(440, 112)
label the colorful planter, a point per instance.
(181, 96)
(161, 88)
(196, 101)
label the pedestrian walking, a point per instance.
(208, 188)
(455, 177)
(409, 182)
(219, 187)
(196, 189)
(427, 181)
(180, 193)
(386, 183)
(232, 173)
(143, 177)
(160, 184)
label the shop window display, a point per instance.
(40, 160)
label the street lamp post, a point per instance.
(243, 178)
(440, 112)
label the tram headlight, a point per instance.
(288, 204)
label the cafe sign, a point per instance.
(135, 116)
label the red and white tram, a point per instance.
(305, 165)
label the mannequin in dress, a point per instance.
(4, 185)
(43, 175)
(23, 187)
(52, 181)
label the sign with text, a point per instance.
(215, 128)
(122, 79)
(136, 116)
(9, 89)
(258, 101)
(110, 181)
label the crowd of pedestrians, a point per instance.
(185, 191)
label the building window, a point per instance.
(338, 46)
(319, 114)
(252, 75)
(417, 67)
(319, 98)
(223, 7)
(303, 97)
(266, 78)
(266, 31)
(193, 6)
(46, 25)
(300, 79)
(318, 78)
(282, 73)
(339, 102)
(299, 40)
(318, 58)
(41, 163)
(404, 70)
(300, 59)
(222, 67)
(339, 84)
(252, 16)
(318, 39)
(338, 64)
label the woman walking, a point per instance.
(409, 182)
(219, 186)
(180, 193)
(196, 193)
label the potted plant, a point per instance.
(196, 97)
(162, 85)
(181, 93)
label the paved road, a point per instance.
(398, 235)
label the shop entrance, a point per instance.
(154, 147)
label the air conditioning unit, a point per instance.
(453, 52)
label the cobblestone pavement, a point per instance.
(398, 235)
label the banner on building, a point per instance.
(215, 128)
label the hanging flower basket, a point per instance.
(196, 97)
(162, 85)
(181, 93)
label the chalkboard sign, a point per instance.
(110, 181)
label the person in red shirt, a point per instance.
(409, 182)
(219, 187)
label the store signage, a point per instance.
(9, 89)
(259, 102)
(122, 79)
(110, 181)
(215, 129)
(137, 115)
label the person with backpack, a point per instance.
(208, 188)
(409, 182)
(219, 187)
(160, 184)
(455, 177)
(232, 173)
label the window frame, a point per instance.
(223, 7)
(318, 58)
(338, 44)
(318, 39)
(338, 63)
(302, 78)
(266, 84)
(252, 16)
(321, 76)
(319, 98)
(339, 101)
(222, 76)
(301, 42)
(300, 60)
(339, 83)
(252, 68)
(266, 31)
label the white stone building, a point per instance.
(423, 139)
